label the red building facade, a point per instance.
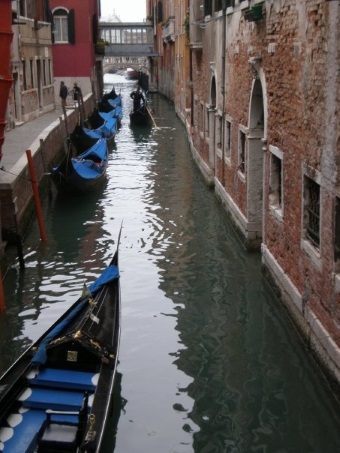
(75, 34)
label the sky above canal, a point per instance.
(127, 10)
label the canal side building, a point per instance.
(77, 57)
(32, 90)
(262, 116)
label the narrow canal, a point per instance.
(209, 361)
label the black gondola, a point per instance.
(57, 396)
(82, 172)
(140, 117)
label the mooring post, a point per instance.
(36, 196)
(2, 295)
(65, 119)
(17, 235)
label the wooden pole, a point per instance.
(17, 235)
(2, 295)
(154, 123)
(36, 196)
(63, 106)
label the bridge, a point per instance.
(127, 39)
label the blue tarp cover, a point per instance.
(110, 273)
(94, 133)
(88, 169)
(106, 130)
(99, 150)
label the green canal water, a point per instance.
(209, 361)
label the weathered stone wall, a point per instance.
(17, 185)
(294, 53)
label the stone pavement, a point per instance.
(19, 139)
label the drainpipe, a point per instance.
(224, 32)
(191, 93)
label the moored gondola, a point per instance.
(57, 396)
(82, 172)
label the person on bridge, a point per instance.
(138, 100)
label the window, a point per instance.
(61, 28)
(242, 151)
(32, 73)
(312, 211)
(159, 11)
(44, 72)
(201, 124)
(211, 6)
(276, 187)
(63, 23)
(208, 7)
(337, 235)
(206, 122)
(24, 74)
(49, 72)
(218, 131)
(22, 7)
(196, 112)
(227, 140)
(218, 5)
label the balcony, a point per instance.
(168, 32)
(255, 13)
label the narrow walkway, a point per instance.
(21, 138)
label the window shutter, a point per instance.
(71, 27)
(95, 28)
(51, 21)
(208, 7)
(159, 12)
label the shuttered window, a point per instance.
(63, 26)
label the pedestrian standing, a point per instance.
(63, 94)
(76, 92)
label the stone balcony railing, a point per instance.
(168, 33)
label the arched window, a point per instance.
(63, 23)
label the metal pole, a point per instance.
(36, 196)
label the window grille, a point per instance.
(313, 212)
(242, 151)
(228, 137)
(276, 181)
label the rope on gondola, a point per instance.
(18, 176)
